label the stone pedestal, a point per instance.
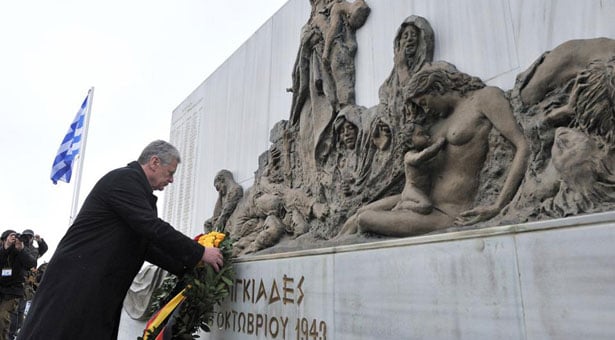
(544, 280)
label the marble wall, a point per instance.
(543, 280)
(536, 285)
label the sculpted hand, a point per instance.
(213, 257)
(478, 214)
(440, 142)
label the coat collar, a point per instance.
(135, 165)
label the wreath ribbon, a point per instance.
(157, 319)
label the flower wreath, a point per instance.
(182, 306)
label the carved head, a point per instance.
(223, 177)
(573, 152)
(273, 231)
(347, 125)
(594, 91)
(439, 78)
(414, 42)
(434, 80)
(584, 168)
(414, 137)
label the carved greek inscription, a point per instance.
(286, 291)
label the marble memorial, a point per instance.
(410, 170)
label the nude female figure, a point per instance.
(465, 110)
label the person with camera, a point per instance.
(17, 316)
(14, 262)
(29, 237)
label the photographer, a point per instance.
(14, 263)
(17, 316)
(28, 237)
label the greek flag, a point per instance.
(70, 147)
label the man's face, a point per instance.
(12, 237)
(161, 174)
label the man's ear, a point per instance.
(150, 167)
(153, 162)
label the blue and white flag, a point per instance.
(70, 147)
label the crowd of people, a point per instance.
(20, 277)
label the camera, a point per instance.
(22, 237)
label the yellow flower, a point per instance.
(212, 239)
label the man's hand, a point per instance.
(18, 244)
(213, 257)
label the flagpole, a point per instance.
(81, 157)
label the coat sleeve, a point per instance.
(158, 257)
(130, 199)
(42, 247)
(26, 259)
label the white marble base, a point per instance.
(544, 280)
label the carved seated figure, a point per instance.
(463, 111)
(415, 195)
(229, 194)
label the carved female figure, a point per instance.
(413, 47)
(465, 110)
(381, 172)
(348, 127)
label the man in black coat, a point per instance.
(116, 230)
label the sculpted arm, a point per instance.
(228, 208)
(497, 110)
(425, 154)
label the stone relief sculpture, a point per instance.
(413, 46)
(568, 118)
(340, 47)
(382, 172)
(441, 151)
(555, 68)
(462, 111)
(324, 74)
(350, 132)
(272, 210)
(229, 194)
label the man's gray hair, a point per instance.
(164, 150)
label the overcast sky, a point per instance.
(144, 57)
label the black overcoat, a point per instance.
(116, 230)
